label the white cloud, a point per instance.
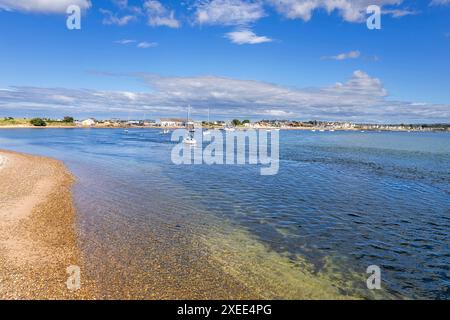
(145, 45)
(360, 84)
(112, 18)
(228, 12)
(361, 98)
(158, 15)
(350, 10)
(62, 98)
(246, 36)
(43, 6)
(344, 56)
(125, 41)
(440, 2)
(140, 45)
(400, 13)
(277, 113)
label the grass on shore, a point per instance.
(12, 122)
(26, 122)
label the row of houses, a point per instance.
(163, 122)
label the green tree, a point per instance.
(68, 119)
(245, 121)
(236, 122)
(38, 122)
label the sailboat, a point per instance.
(190, 129)
(207, 132)
(128, 120)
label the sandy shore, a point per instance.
(37, 236)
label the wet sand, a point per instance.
(37, 236)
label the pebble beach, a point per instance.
(37, 237)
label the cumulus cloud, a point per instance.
(344, 56)
(360, 98)
(228, 12)
(246, 36)
(158, 15)
(42, 6)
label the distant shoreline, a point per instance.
(317, 129)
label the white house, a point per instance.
(88, 123)
(171, 122)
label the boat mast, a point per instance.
(188, 115)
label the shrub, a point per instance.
(236, 122)
(38, 122)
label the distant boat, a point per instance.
(314, 130)
(191, 130)
(206, 131)
(322, 130)
(230, 129)
(190, 141)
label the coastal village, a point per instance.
(173, 123)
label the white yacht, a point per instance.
(190, 129)
(206, 131)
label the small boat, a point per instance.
(230, 129)
(322, 130)
(189, 140)
(314, 130)
(206, 131)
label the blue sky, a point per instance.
(298, 59)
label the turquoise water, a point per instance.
(359, 199)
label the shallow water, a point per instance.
(341, 201)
